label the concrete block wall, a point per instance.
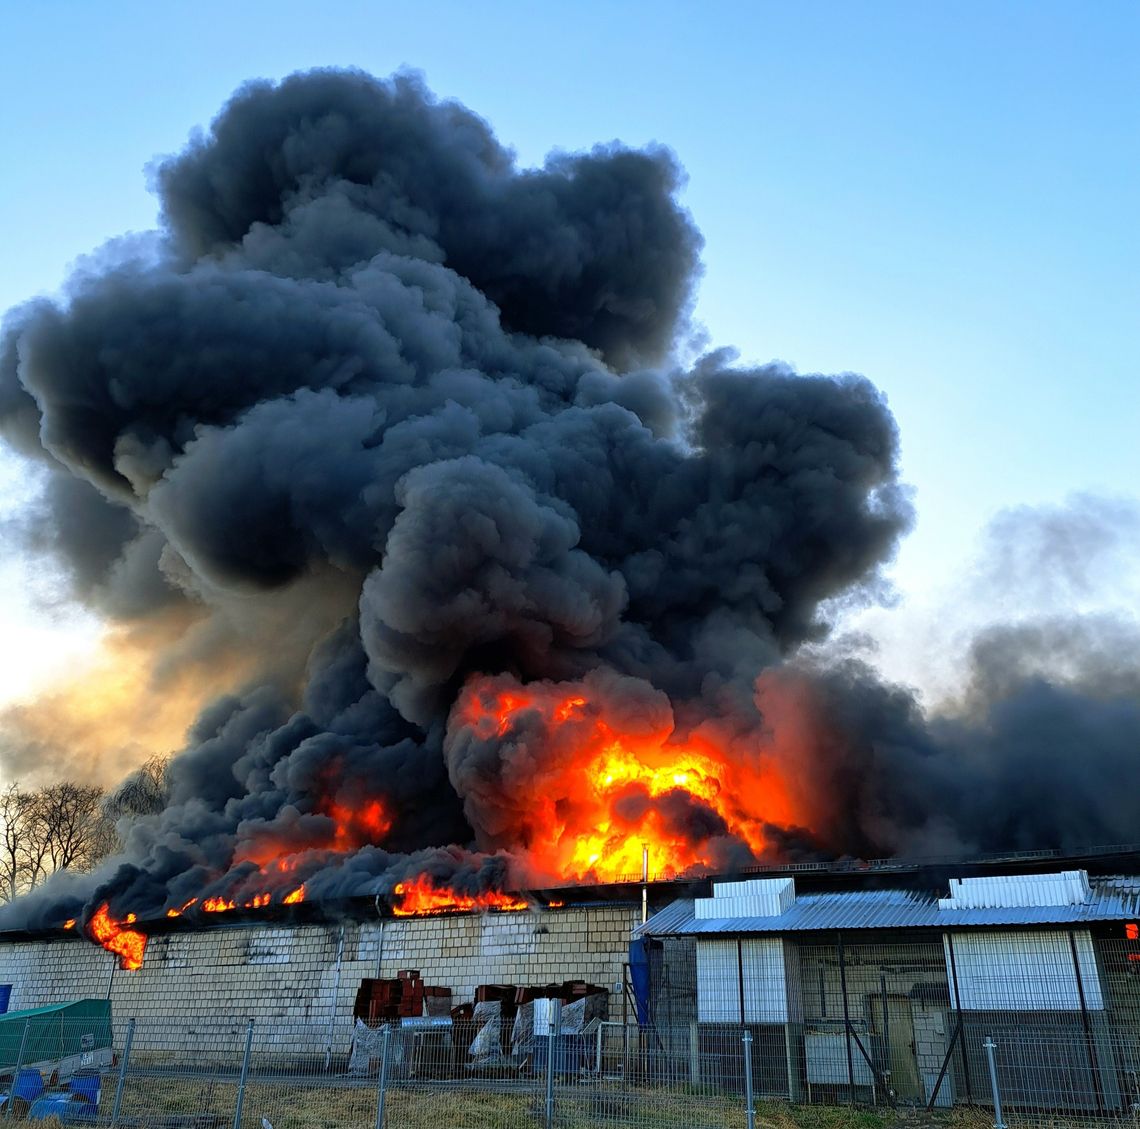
(931, 1038)
(589, 943)
(196, 990)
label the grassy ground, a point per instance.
(199, 1103)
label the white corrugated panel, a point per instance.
(719, 972)
(756, 897)
(1066, 888)
(825, 1056)
(1024, 971)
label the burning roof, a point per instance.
(390, 432)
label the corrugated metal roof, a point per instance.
(1064, 888)
(1111, 899)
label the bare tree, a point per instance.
(71, 820)
(60, 826)
(144, 792)
(13, 846)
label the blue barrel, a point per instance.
(69, 1108)
(5, 997)
(29, 1084)
(52, 1105)
(86, 1086)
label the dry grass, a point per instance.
(199, 1103)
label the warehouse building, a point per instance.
(873, 983)
(889, 993)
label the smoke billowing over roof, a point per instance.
(505, 590)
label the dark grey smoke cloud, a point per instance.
(1040, 753)
(370, 352)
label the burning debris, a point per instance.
(386, 430)
(421, 896)
(116, 937)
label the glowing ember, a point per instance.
(356, 827)
(611, 780)
(422, 897)
(344, 831)
(128, 944)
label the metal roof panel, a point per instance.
(1111, 899)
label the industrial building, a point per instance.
(872, 983)
(888, 993)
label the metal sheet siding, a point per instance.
(762, 967)
(1025, 971)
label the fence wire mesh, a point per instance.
(1044, 1024)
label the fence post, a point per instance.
(846, 1018)
(244, 1075)
(554, 1046)
(991, 1046)
(382, 1081)
(117, 1107)
(16, 1072)
(750, 1109)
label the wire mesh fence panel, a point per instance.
(465, 1073)
(660, 1076)
(900, 1020)
(180, 1073)
(298, 1075)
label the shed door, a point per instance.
(896, 1037)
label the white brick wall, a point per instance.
(198, 986)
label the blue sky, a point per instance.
(939, 196)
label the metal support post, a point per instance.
(16, 1071)
(740, 978)
(846, 1018)
(991, 1046)
(382, 1082)
(335, 996)
(244, 1075)
(644, 884)
(961, 1031)
(554, 1040)
(749, 1107)
(1090, 1046)
(116, 1109)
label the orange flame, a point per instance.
(295, 896)
(277, 855)
(355, 827)
(218, 905)
(128, 944)
(612, 780)
(421, 896)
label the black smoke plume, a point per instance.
(368, 353)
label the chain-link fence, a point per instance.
(1026, 1027)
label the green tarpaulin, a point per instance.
(54, 1032)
